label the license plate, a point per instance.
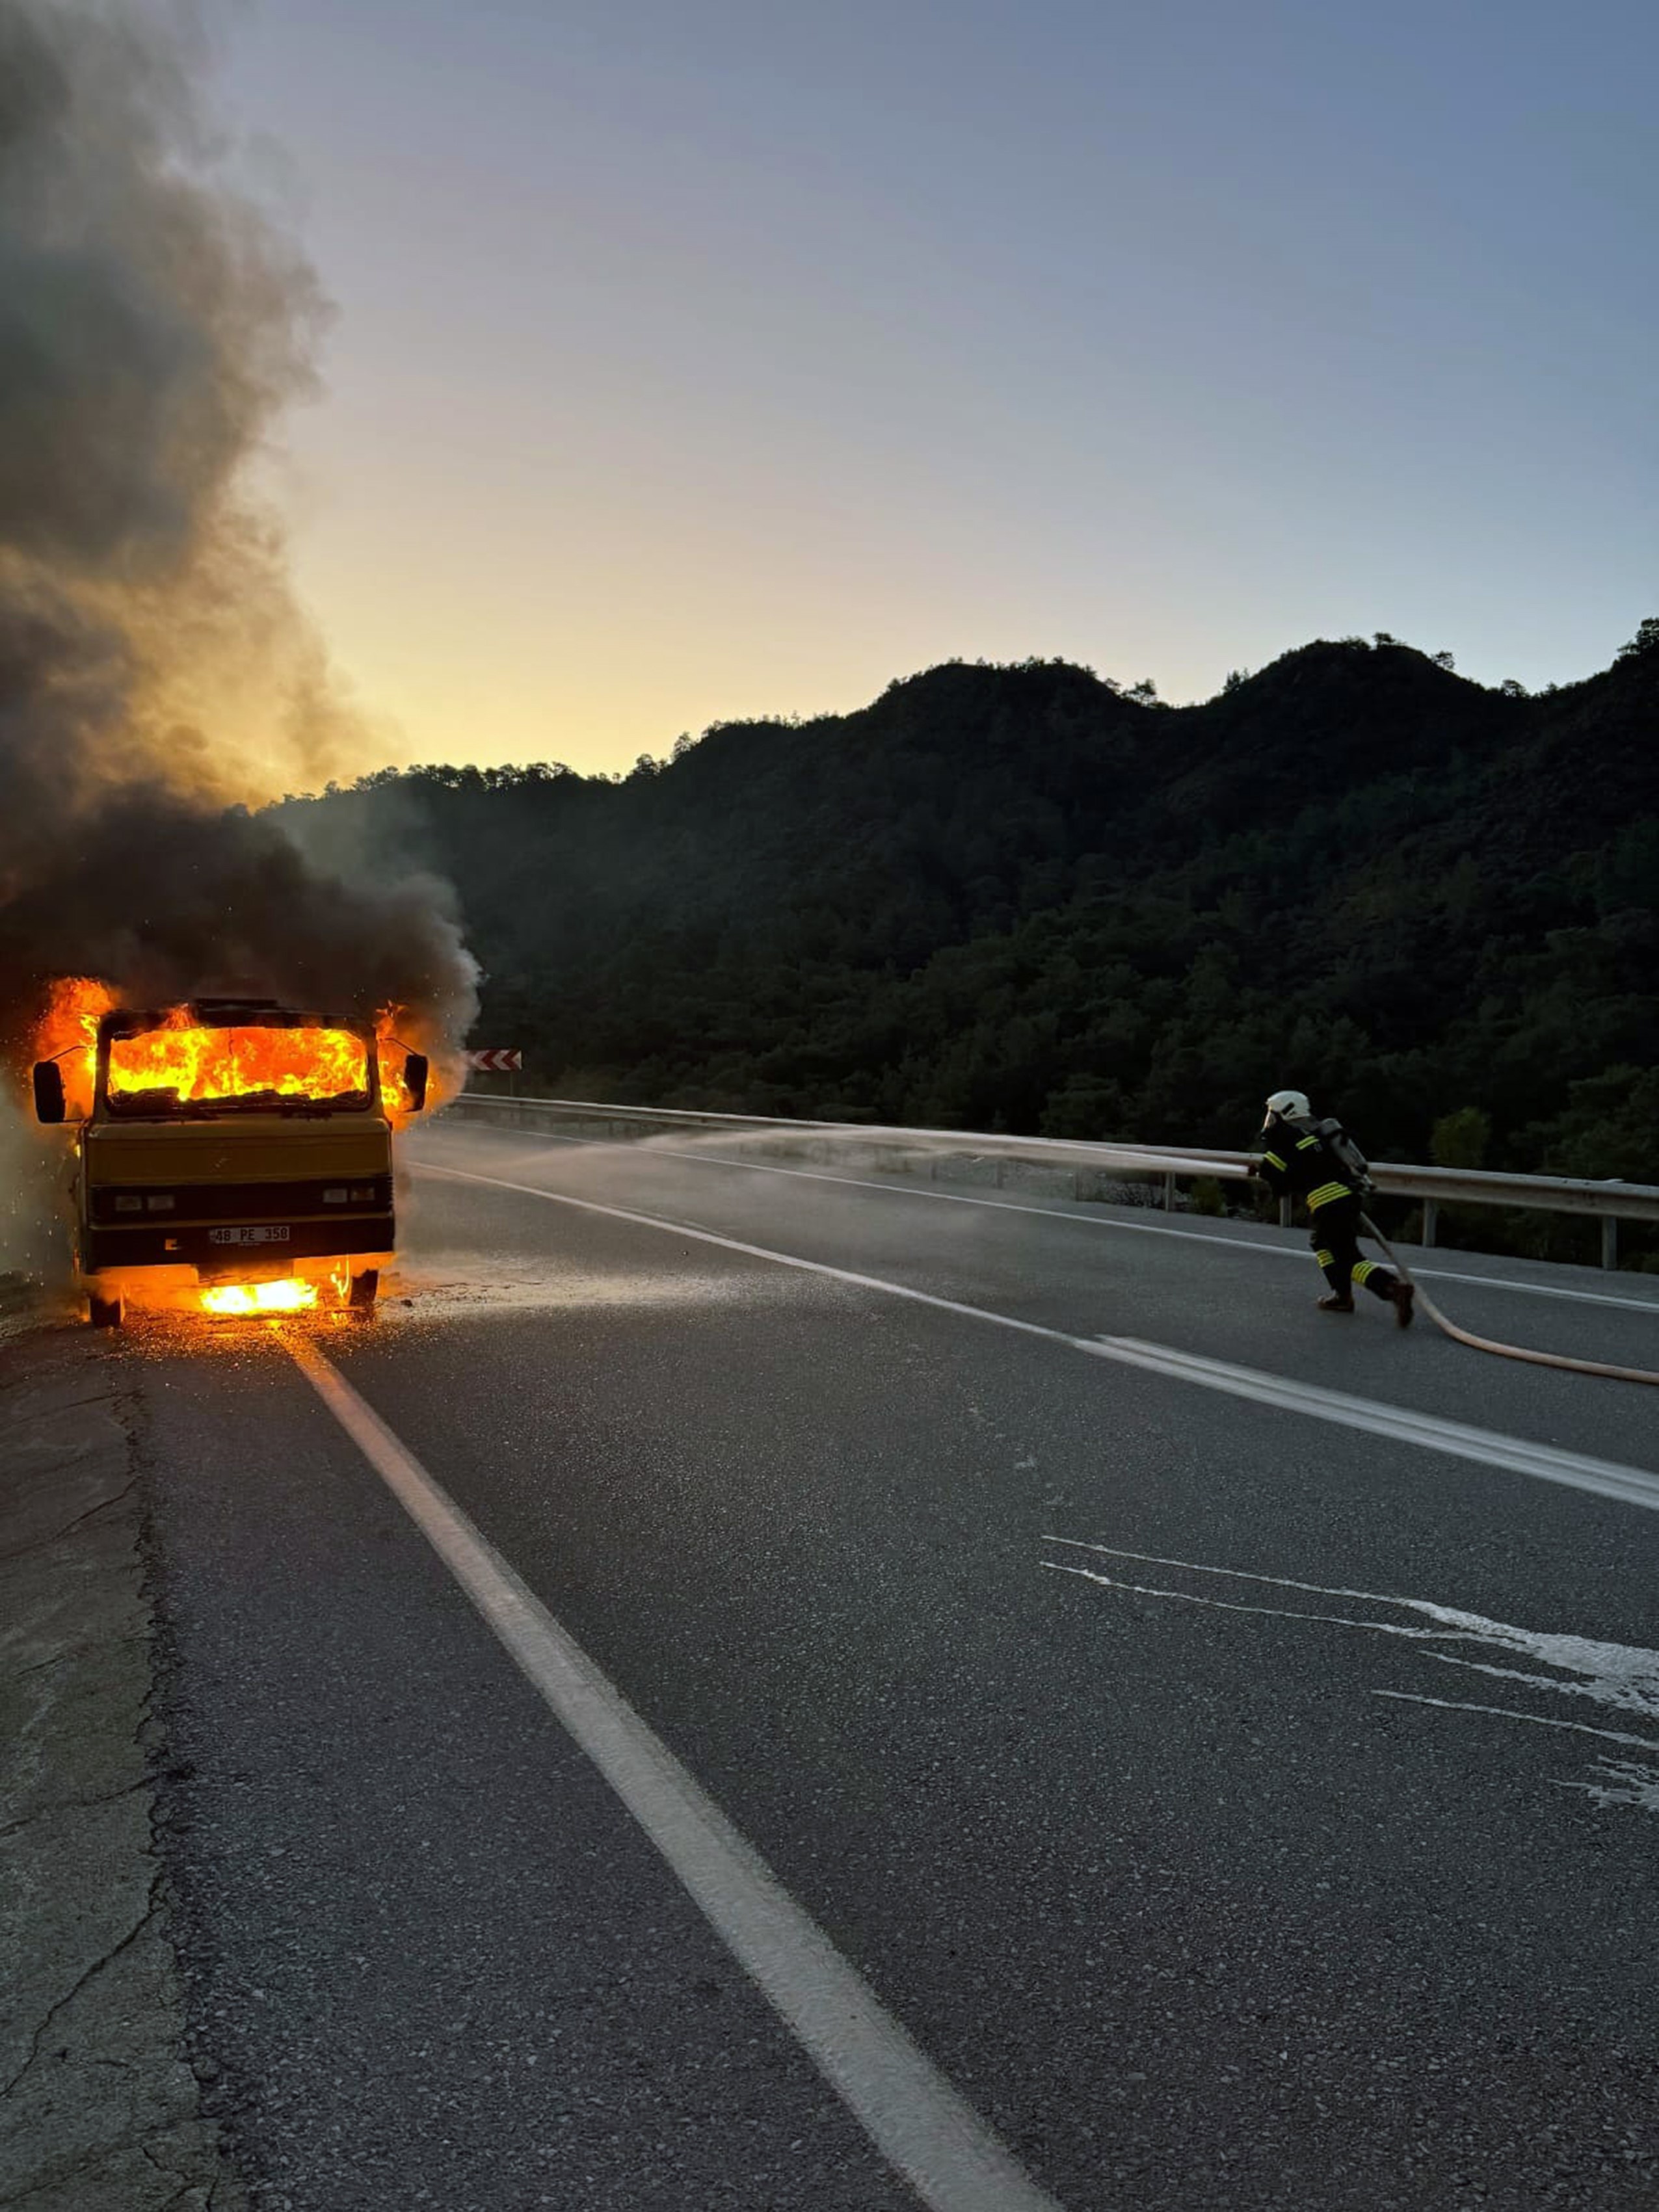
(248, 1235)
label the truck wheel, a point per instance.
(364, 1286)
(106, 1313)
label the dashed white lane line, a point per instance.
(1631, 1486)
(891, 1187)
(918, 2122)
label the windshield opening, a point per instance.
(176, 1068)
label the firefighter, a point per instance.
(1319, 1163)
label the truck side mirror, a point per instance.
(48, 1090)
(416, 1070)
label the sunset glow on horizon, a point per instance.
(701, 364)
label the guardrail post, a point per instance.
(1431, 1220)
(1285, 1213)
(1609, 1241)
(1168, 1194)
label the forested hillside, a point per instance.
(1018, 897)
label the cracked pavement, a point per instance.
(98, 2111)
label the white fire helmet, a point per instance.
(1287, 1106)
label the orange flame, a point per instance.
(68, 1034)
(194, 1064)
(290, 1295)
(394, 1095)
(398, 1032)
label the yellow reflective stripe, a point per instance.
(1273, 1161)
(1326, 1258)
(1363, 1272)
(1326, 1192)
(1306, 1144)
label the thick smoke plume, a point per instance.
(156, 678)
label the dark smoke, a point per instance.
(156, 678)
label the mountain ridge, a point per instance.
(1015, 896)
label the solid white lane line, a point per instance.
(1650, 1306)
(918, 2122)
(894, 1189)
(1634, 1485)
(1631, 1486)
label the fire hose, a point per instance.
(1488, 1344)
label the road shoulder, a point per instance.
(99, 2110)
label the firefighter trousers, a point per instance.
(1335, 1240)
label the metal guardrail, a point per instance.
(625, 1122)
(1610, 1201)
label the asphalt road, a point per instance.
(1241, 1799)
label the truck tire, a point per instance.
(364, 1287)
(106, 1313)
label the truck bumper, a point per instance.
(220, 1248)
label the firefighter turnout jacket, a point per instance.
(1319, 1163)
(1300, 1161)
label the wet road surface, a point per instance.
(1235, 1802)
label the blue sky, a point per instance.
(702, 360)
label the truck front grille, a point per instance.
(344, 1196)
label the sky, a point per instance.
(699, 359)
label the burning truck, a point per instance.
(240, 1145)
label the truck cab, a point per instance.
(238, 1142)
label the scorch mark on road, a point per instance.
(1624, 1677)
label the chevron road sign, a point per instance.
(499, 1062)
